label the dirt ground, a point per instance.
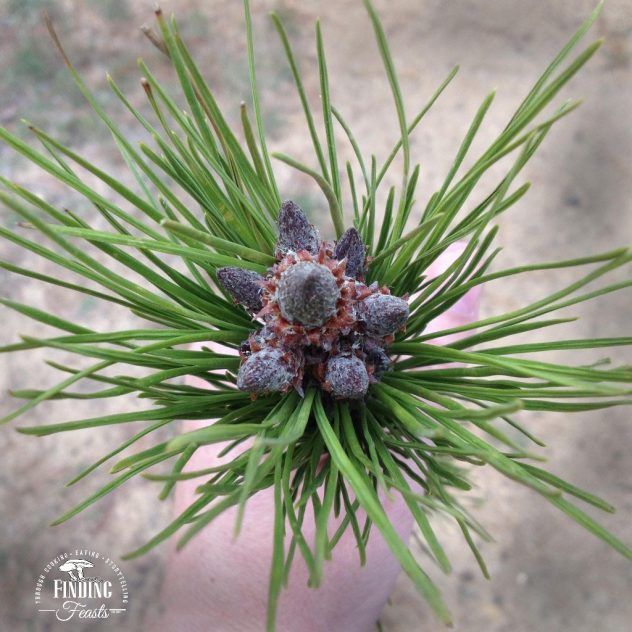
(548, 575)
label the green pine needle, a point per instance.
(440, 408)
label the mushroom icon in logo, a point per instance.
(75, 566)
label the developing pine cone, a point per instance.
(321, 323)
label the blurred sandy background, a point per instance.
(548, 575)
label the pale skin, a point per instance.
(216, 583)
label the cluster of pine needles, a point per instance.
(206, 196)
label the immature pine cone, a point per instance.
(245, 286)
(307, 293)
(322, 323)
(265, 371)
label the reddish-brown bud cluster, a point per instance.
(322, 323)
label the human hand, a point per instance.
(220, 584)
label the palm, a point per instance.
(222, 581)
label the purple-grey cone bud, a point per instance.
(376, 356)
(295, 231)
(347, 377)
(307, 293)
(264, 372)
(350, 245)
(243, 285)
(383, 314)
